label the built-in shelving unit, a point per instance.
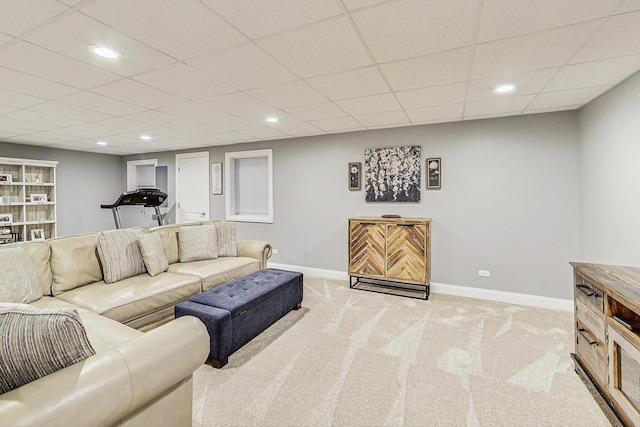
(27, 199)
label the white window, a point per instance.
(249, 186)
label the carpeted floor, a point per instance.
(357, 358)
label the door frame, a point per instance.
(205, 154)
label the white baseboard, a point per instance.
(445, 289)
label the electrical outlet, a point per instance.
(484, 273)
(275, 252)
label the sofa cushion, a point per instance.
(153, 253)
(120, 255)
(36, 343)
(133, 297)
(39, 253)
(215, 272)
(169, 236)
(197, 243)
(18, 278)
(74, 262)
(227, 245)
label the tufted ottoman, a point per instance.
(238, 311)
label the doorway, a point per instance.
(192, 187)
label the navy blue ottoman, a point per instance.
(238, 311)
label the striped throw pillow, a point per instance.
(36, 343)
(119, 255)
(18, 277)
(227, 245)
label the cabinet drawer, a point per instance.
(592, 351)
(589, 318)
(590, 293)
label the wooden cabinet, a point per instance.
(607, 336)
(393, 250)
(27, 199)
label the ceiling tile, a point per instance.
(95, 130)
(41, 62)
(182, 80)
(261, 18)
(238, 103)
(359, 4)
(235, 137)
(128, 124)
(192, 130)
(300, 129)
(20, 16)
(69, 111)
(350, 84)
(383, 119)
(30, 85)
(5, 39)
(613, 39)
(133, 92)
(322, 48)
(567, 97)
(94, 101)
(551, 109)
(598, 73)
(182, 29)
(4, 109)
(323, 110)
(196, 111)
(629, 6)
(47, 119)
(532, 52)
(434, 114)
(288, 95)
(260, 118)
(7, 122)
(9, 98)
(507, 18)
(513, 104)
(369, 104)
(264, 133)
(386, 28)
(230, 67)
(432, 96)
(159, 119)
(526, 84)
(339, 124)
(32, 140)
(76, 34)
(433, 70)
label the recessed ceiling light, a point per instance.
(145, 137)
(504, 88)
(101, 143)
(105, 52)
(271, 119)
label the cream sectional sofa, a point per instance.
(136, 377)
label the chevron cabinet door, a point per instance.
(366, 249)
(406, 252)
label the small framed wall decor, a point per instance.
(434, 173)
(6, 219)
(37, 234)
(6, 178)
(216, 178)
(355, 178)
(38, 198)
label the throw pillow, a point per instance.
(152, 252)
(18, 277)
(36, 343)
(119, 255)
(197, 243)
(227, 245)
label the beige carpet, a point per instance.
(359, 358)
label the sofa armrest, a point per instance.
(257, 249)
(106, 387)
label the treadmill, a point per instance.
(147, 197)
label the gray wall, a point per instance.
(610, 176)
(509, 202)
(84, 182)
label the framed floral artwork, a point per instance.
(434, 173)
(392, 174)
(355, 169)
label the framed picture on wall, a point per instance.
(6, 178)
(355, 178)
(6, 219)
(216, 178)
(434, 173)
(37, 234)
(38, 198)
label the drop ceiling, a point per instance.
(196, 73)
